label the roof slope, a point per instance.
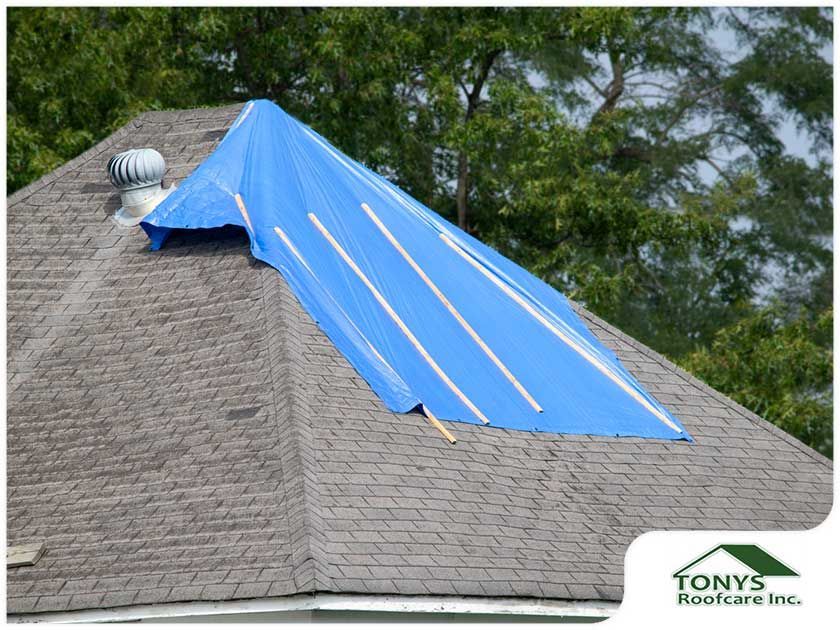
(179, 429)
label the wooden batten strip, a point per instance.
(245, 115)
(438, 425)
(288, 242)
(453, 311)
(244, 211)
(559, 333)
(397, 319)
(24, 555)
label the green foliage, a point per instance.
(780, 367)
(76, 75)
(626, 156)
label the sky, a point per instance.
(796, 143)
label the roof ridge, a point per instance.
(79, 160)
(136, 122)
(707, 389)
(185, 114)
(291, 404)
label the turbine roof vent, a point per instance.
(138, 174)
(136, 168)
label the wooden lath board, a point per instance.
(296, 253)
(244, 211)
(397, 319)
(291, 246)
(24, 555)
(452, 310)
(560, 334)
(438, 425)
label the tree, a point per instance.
(76, 75)
(680, 106)
(778, 366)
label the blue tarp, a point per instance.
(282, 171)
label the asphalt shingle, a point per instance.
(179, 429)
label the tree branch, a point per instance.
(683, 109)
(601, 91)
(473, 101)
(474, 96)
(616, 87)
(720, 171)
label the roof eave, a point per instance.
(408, 604)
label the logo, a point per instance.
(735, 575)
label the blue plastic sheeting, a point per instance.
(282, 171)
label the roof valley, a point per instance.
(292, 406)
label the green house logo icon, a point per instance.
(733, 575)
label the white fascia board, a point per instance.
(327, 601)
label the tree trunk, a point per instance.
(616, 87)
(461, 191)
(473, 100)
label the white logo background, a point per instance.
(651, 593)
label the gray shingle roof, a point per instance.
(179, 429)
